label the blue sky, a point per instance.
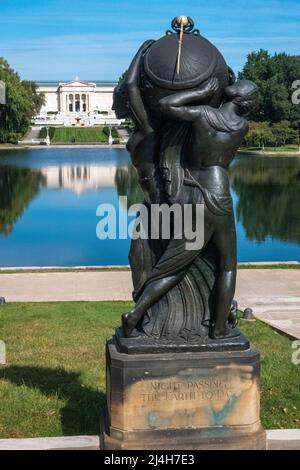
(95, 39)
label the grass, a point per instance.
(280, 379)
(127, 268)
(53, 383)
(65, 270)
(54, 380)
(75, 135)
(282, 148)
(269, 266)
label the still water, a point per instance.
(49, 197)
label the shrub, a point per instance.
(114, 132)
(13, 138)
(259, 134)
(283, 133)
(43, 133)
(22, 102)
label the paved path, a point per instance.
(32, 135)
(274, 294)
(69, 286)
(277, 439)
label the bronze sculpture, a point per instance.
(189, 123)
(180, 375)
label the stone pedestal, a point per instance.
(198, 400)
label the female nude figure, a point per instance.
(216, 136)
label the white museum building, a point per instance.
(77, 102)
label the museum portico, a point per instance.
(78, 98)
(66, 102)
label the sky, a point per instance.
(96, 39)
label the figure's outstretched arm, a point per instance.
(191, 96)
(175, 107)
(184, 113)
(132, 81)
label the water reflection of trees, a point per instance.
(127, 184)
(18, 186)
(268, 191)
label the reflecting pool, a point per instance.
(49, 197)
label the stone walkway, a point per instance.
(274, 294)
(66, 286)
(33, 135)
(277, 439)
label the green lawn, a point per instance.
(74, 270)
(75, 134)
(269, 266)
(127, 268)
(282, 148)
(53, 383)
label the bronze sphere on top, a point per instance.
(200, 60)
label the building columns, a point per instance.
(65, 101)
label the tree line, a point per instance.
(276, 122)
(22, 103)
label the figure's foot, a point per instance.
(224, 333)
(129, 322)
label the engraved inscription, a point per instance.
(207, 389)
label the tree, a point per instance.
(37, 99)
(127, 182)
(21, 104)
(274, 76)
(283, 133)
(259, 135)
(18, 186)
(268, 194)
